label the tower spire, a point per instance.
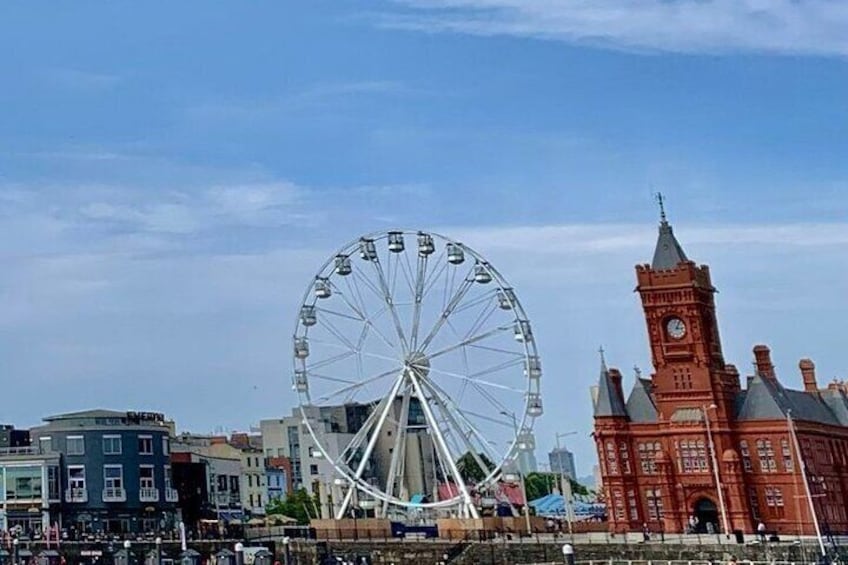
(668, 253)
(603, 359)
(661, 203)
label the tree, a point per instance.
(470, 470)
(297, 505)
(540, 484)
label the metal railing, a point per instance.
(114, 494)
(148, 494)
(76, 495)
(171, 495)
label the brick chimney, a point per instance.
(615, 377)
(808, 372)
(762, 359)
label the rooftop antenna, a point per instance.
(661, 203)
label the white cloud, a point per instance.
(81, 80)
(808, 27)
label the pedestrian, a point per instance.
(732, 560)
(761, 532)
(646, 532)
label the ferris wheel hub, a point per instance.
(418, 363)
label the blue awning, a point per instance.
(417, 499)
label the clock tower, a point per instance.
(678, 301)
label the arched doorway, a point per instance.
(705, 512)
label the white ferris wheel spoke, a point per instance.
(421, 273)
(390, 303)
(353, 385)
(470, 340)
(457, 297)
(450, 411)
(331, 360)
(456, 411)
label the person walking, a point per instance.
(761, 532)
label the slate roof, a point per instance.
(640, 404)
(609, 402)
(668, 253)
(767, 399)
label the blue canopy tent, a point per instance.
(553, 505)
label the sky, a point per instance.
(172, 175)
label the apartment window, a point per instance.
(111, 445)
(774, 501)
(612, 462)
(45, 444)
(746, 456)
(256, 461)
(619, 506)
(655, 506)
(168, 479)
(166, 446)
(313, 469)
(145, 445)
(234, 483)
(766, 456)
(76, 445)
(113, 477)
(691, 456)
(754, 503)
(250, 482)
(259, 500)
(23, 483)
(53, 483)
(788, 463)
(145, 477)
(251, 500)
(624, 455)
(634, 508)
(647, 457)
(76, 477)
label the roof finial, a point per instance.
(661, 203)
(603, 359)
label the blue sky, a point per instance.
(172, 174)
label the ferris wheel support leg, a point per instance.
(398, 451)
(468, 504)
(372, 441)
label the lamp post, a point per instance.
(706, 410)
(158, 542)
(521, 475)
(803, 465)
(15, 543)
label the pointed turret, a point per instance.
(668, 253)
(610, 400)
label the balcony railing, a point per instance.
(114, 495)
(171, 495)
(76, 495)
(148, 495)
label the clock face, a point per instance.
(676, 328)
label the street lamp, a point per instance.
(521, 447)
(706, 410)
(568, 502)
(15, 543)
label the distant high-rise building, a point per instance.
(561, 461)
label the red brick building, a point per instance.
(654, 443)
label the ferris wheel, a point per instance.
(417, 373)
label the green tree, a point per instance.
(540, 484)
(470, 470)
(297, 505)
